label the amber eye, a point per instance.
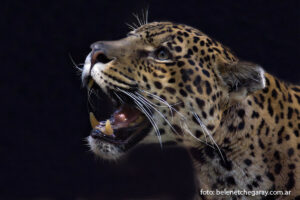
(163, 54)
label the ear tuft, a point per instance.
(242, 78)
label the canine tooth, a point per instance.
(94, 122)
(108, 129)
(90, 84)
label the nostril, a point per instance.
(100, 57)
(103, 59)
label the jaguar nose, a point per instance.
(99, 54)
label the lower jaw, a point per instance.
(114, 150)
(104, 149)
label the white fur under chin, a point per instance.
(104, 150)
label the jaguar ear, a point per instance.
(242, 78)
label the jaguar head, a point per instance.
(167, 83)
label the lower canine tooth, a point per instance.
(108, 129)
(94, 122)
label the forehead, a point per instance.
(162, 31)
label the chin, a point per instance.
(105, 150)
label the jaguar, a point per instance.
(170, 83)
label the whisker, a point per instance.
(138, 19)
(146, 14)
(158, 105)
(198, 119)
(183, 118)
(75, 65)
(90, 92)
(130, 26)
(159, 99)
(171, 108)
(203, 127)
(141, 107)
(135, 25)
(188, 130)
(143, 18)
(119, 97)
(142, 98)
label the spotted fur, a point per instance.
(240, 124)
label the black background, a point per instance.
(45, 120)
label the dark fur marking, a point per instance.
(197, 155)
(208, 88)
(200, 103)
(157, 84)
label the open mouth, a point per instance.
(125, 127)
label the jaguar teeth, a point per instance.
(108, 129)
(94, 122)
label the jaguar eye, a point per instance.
(163, 54)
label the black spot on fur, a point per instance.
(258, 177)
(178, 49)
(230, 180)
(200, 103)
(291, 181)
(255, 114)
(227, 164)
(180, 63)
(197, 155)
(189, 89)
(296, 132)
(276, 155)
(197, 80)
(270, 176)
(179, 39)
(177, 130)
(171, 90)
(255, 184)
(248, 162)
(290, 112)
(270, 109)
(292, 166)
(196, 39)
(274, 93)
(280, 131)
(191, 62)
(171, 80)
(185, 74)
(206, 73)
(209, 152)
(183, 93)
(195, 49)
(241, 113)
(290, 152)
(210, 127)
(208, 88)
(261, 144)
(241, 125)
(157, 84)
(277, 168)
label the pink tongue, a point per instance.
(124, 116)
